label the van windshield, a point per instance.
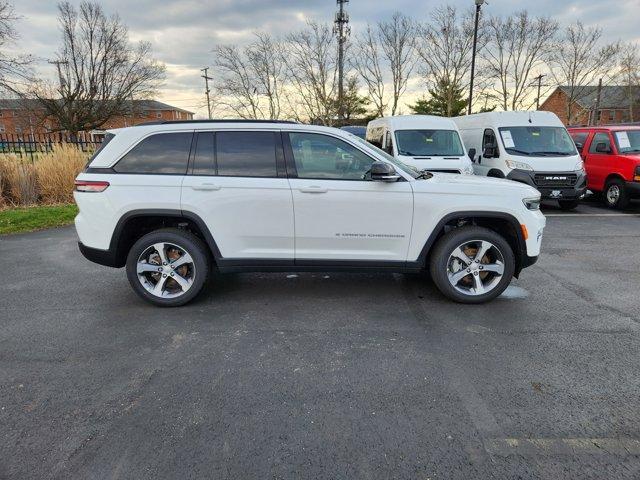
(401, 165)
(429, 143)
(628, 141)
(537, 141)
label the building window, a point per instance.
(18, 130)
(159, 115)
(15, 113)
(2, 130)
(612, 115)
(1, 113)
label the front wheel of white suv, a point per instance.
(168, 267)
(472, 264)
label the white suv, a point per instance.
(173, 200)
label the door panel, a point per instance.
(598, 164)
(340, 214)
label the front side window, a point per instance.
(537, 141)
(246, 154)
(323, 157)
(430, 143)
(164, 153)
(600, 138)
(628, 141)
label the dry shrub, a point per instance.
(18, 183)
(56, 171)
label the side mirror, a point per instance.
(383, 172)
(489, 151)
(472, 154)
(601, 147)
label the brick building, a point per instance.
(615, 102)
(24, 117)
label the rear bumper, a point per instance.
(102, 257)
(575, 192)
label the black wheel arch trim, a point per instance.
(520, 254)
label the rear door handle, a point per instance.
(314, 189)
(206, 186)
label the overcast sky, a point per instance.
(184, 32)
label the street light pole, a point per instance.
(473, 54)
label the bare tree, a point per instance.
(99, 71)
(579, 61)
(629, 75)
(252, 77)
(368, 61)
(444, 48)
(397, 40)
(14, 69)
(312, 71)
(516, 46)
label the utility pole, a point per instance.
(341, 28)
(57, 63)
(539, 79)
(473, 54)
(597, 109)
(207, 91)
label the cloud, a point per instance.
(184, 32)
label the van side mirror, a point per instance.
(383, 172)
(489, 151)
(472, 154)
(601, 147)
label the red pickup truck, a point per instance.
(611, 156)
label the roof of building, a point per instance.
(138, 105)
(611, 96)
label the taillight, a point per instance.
(89, 186)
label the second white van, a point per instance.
(529, 147)
(425, 142)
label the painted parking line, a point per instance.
(563, 446)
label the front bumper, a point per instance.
(633, 188)
(575, 192)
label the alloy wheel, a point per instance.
(166, 270)
(475, 267)
(613, 194)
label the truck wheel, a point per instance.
(568, 204)
(472, 264)
(168, 267)
(615, 194)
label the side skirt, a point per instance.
(235, 265)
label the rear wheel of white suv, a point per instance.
(168, 267)
(472, 264)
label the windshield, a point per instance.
(628, 141)
(537, 141)
(429, 143)
(401, 165)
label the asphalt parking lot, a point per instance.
(325, 375)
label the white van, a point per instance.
(529, 147)
(423, 141)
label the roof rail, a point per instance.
(235, 120)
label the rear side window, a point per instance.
(203, 159)
(246, 154)
(163, 153)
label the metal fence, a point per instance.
(29, 146)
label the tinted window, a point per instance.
(203, 160)
(246, 154)
(579, 139)
(599, 138)
(161, 153)
(324, 157)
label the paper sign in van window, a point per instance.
(623, 140)
(507, 139)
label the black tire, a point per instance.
(568, 204)
(439, 265)
(199, 268)
(620, 201)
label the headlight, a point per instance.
(579, 166)
(518, 165)
(532, 203)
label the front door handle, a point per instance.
(206, 186)
(314, 189)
